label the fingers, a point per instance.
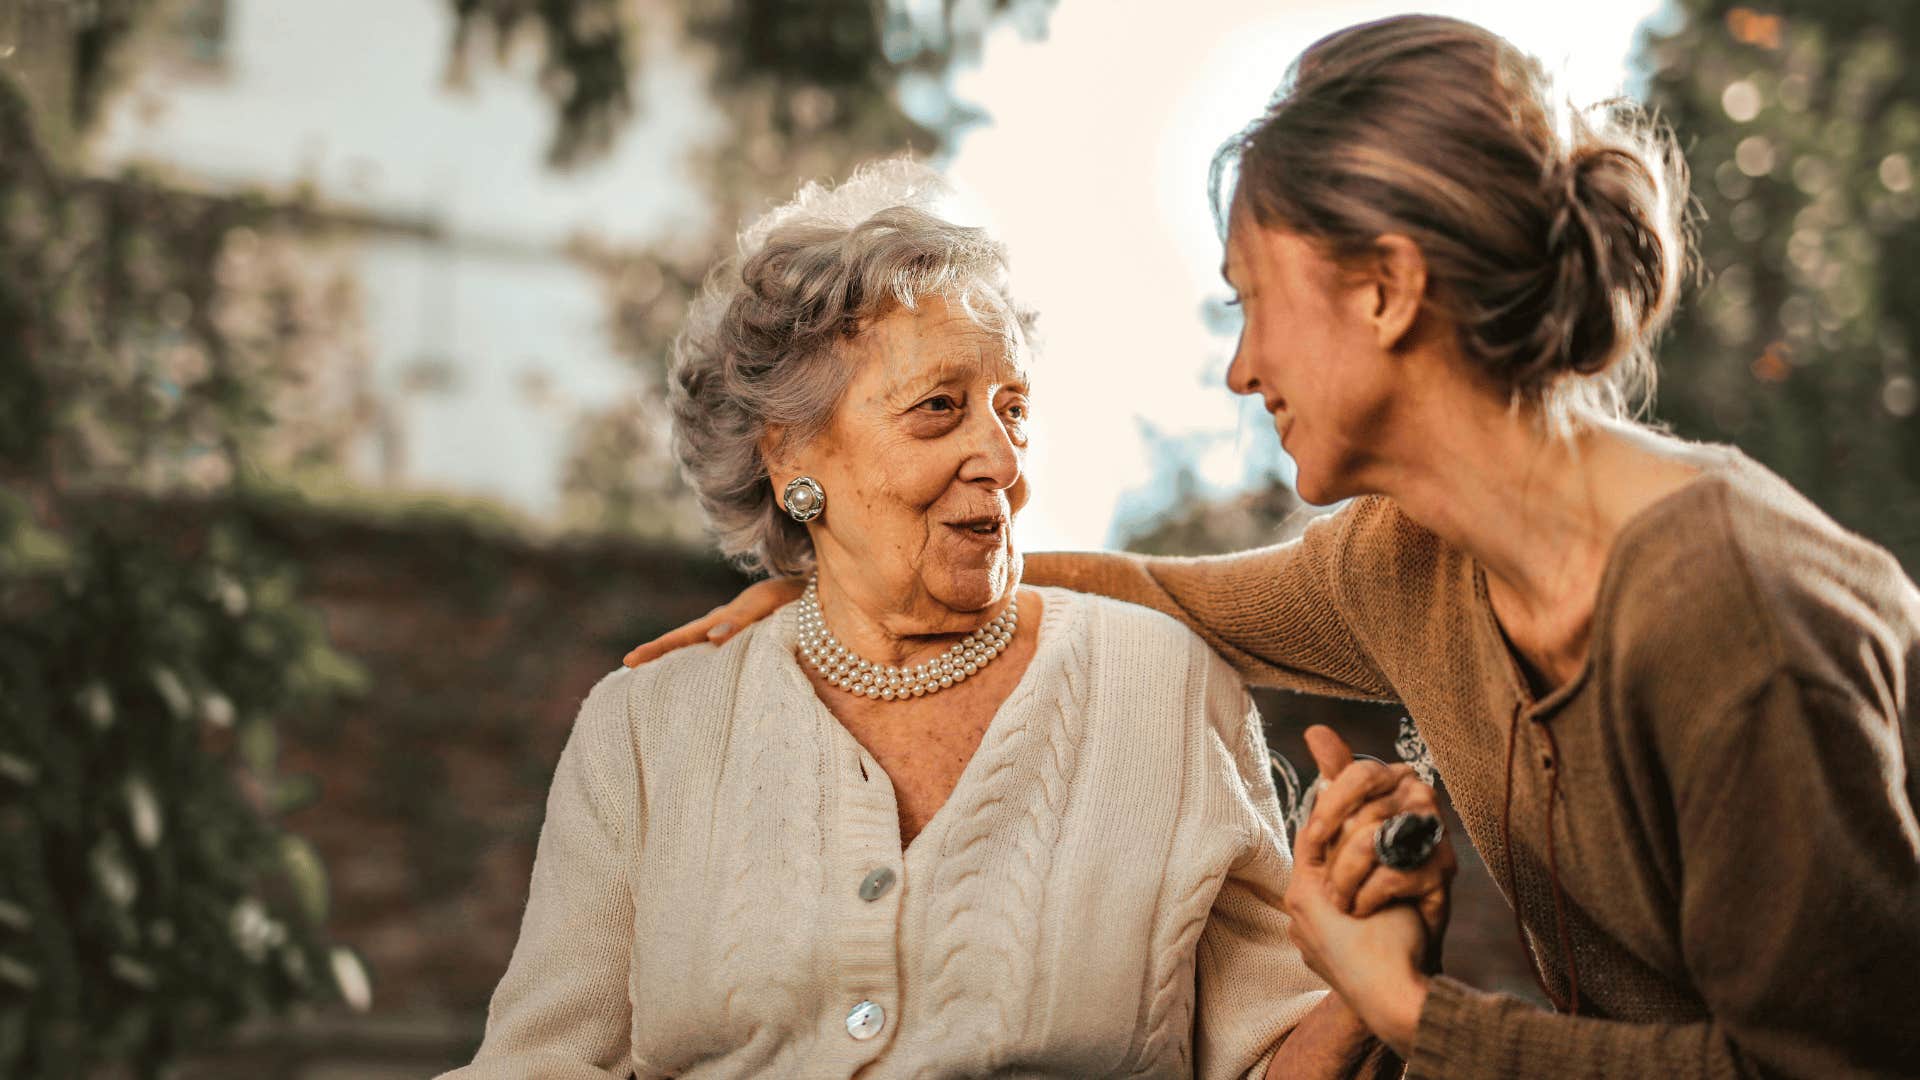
(1304, 902)
(1331, 754)
(1349, 849)
(1358, 783)
(1350, 857)
(1435, 908)
(709, 627)
(1355, 881)
(1384, 885)
(754, 603)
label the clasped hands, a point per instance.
(1372, 932)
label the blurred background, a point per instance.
(333, 468)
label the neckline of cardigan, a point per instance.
(1060, 617)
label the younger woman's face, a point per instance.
(1309, 349)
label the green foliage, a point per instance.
(148, 899)
(822, 65)
(1801, 123)
(585, 70)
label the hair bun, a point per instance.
(1615, 274)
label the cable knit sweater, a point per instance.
(1726, 792)
(1099, 896)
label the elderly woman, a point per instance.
(924, 822)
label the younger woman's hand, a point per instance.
(1372, 963)
(754, 603)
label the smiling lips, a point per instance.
(990, 527)
(1282, 421)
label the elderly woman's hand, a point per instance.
(1355, 799)
(755, 602)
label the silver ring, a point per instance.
(1406, 841)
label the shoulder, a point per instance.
(698, 666)
(1740, 576)
(1114, 631)
(1383, 554)
(687, 695)
(1151, 659)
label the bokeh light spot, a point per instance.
(1896, 173)
(1754, 155)
(1741, 100)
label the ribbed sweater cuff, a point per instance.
(1449, 1041)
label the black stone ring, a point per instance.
(1406, 841)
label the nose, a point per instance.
(1240, 376)
(994, 454)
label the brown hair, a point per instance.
(1554, 238)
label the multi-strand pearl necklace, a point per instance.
(848, 671)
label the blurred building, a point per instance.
(480, 339)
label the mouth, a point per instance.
(989, 529)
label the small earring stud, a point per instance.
(805, 498)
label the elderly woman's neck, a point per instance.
(903, 627)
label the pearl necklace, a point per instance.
(848, 671)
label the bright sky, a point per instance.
(1093, 170)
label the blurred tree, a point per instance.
(819, 65)
(148, 900)
(1801, 122)
(1198, 525)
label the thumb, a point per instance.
(1330, 752)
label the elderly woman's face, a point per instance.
(924, 466)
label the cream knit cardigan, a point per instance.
(1100, 896)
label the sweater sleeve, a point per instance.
(1271, 612)
(562, 1009)
(1252, 985)
(1800, 892)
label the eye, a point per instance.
(1234, 302)
(1016, 412)
(942, 403)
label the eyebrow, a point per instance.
(957, 362)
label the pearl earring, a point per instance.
(805, 498)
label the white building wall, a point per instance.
(486, 342)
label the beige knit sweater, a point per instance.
(1100, 896)
(1726, 793)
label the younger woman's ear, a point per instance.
(1400, 288)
